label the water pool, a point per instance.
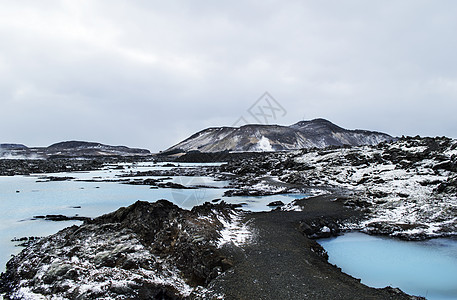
(426, 268)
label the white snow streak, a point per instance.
(234, 232)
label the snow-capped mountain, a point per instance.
(319, 133)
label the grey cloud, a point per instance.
(149, 73)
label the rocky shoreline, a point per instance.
(405, 189)
(12, 167)
(147, 250)
(160, 251)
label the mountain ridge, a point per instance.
(317, 133)
(69, 149)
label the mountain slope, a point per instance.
(318, 133)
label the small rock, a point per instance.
(276, 203)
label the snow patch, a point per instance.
(264, 145)
(234, 232)
(292, 207)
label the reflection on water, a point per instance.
(427, 268)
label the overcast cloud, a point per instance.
(150, 73)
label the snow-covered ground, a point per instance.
(403, 190)
(408, 187)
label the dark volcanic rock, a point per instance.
(10, 167)
(123, 254)
(173, 185)
(276, 203)
(55, 178)
(61, 218)
(148, 181)
(159, 251)
(322, 228)
(25, 241)
(201, 171)
(284, 263)
(245, 192)
(414, 173)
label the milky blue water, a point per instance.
(421, 268)
(22, 197)
(427, 268)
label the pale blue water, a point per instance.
(427, 268)
(96, 198)
(420, 268)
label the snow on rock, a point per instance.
(399, 181)
(147, 250)
(234, 231)
(268, 188)
(325, 229)
(407, 188)
(108, 264)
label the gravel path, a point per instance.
(285, 264)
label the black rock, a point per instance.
(169, 165)
(61, 218)
(179, 237)
(276, 203)
(173, 185)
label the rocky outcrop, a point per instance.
(10, 167)
(143, 251)
(407, 188)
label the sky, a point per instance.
(151, 73)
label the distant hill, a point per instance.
(69, 149)
(80, 148)
(317, 133)
(12, 146)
